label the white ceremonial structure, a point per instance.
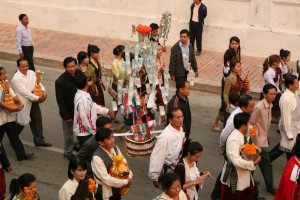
(264, 26)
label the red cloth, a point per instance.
(246, 194)
(288, 186)
(2, 184)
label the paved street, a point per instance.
(50, 167)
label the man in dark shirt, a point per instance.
(65, 89)
(182, 58)
(180, 100)
(198, 14)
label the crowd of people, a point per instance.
(173, 161)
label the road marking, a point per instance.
(54, 149)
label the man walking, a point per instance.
(261, 117)
(24, 82)
(182, 58)
(198, 14)
(65, 90)
(24, 41)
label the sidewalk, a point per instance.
(51, 47)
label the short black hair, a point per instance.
(166, 180)
(185, 31)
(289, 80)
(21, 16)
(102, 121)
(268, 87)
(241, 119)
(81, 56)
(80, 80)
(234, 98)
(68, 60)
(21, 60)
(181, 84)
(244, 101)
(74, 164)
(171, 111)
(102, 134)
(154, 26)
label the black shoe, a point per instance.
(43, 144)
(26, 156)
(69, 156)
(198, 53)
(272, 191)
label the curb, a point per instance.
(54, 62)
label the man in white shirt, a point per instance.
(236, 176)
(168, 148)
(85, 111)
(108, 186)
(24, 41)
(289, 124)
(24, 81)
(246, 104)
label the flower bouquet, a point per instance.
(38, 89)
(92, 188)
(249, 151)
(27, 194)
(7, 98)
(120, 170)
(142, 31)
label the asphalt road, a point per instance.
(50, 168)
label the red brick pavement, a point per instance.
(58, 45)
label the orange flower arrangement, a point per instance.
(92, 187)
(246, 82)
(7, 98)
(29, 193)
(143, 29)
(249, 147)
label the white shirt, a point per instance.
(195, 17)
(269, 76)
(284, 68)
(6, 117)
(191, 174)
(166, 151)
(107, 181)
(68, 189)
(229, 127)
(85, 114)
(23, 37)
(243, 167)
(287, 104)
(24, 86)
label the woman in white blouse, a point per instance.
(76, 172)
(272, 74)
(190, 177)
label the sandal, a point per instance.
(214, 127)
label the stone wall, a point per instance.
(264, 26)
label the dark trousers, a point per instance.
(216, 193)
(196, 30)
(98, 196)
(246, 194)
(266, 169)
(28, 55)
(36, 124)
(11, 130)
(275, 153)
(83, 139)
